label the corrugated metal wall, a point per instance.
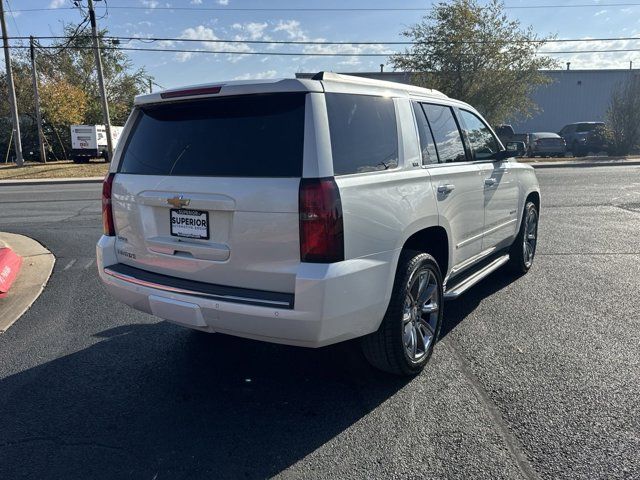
(574, 96)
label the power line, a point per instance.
(310, 54)
(329, 9)
(313, 42)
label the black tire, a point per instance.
(105, 156)
(518, 262)
(385, 349)
(80, 159)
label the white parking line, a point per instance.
(88, 264)
(69, 265)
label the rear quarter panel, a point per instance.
(383, 209)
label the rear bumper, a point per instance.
(87, 152)
(331, 302)
(549, 149)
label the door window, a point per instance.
(483, 144)
(427, 145)
(445, 132)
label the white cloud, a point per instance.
(150, 3)
(257, 76)
(196, 2)
(292, 29)
(596, 60)
(205, 33)
(56, 3)
(599, 12)
(223, 2)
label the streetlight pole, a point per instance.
(103, 93)
(12, 92)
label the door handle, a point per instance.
(446, 188)
(489, 182)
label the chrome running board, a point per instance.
(456, 290)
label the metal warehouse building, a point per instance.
(573, 96)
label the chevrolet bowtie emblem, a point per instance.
(178, 201)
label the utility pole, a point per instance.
(36, 99)
(150, 86)
(12, 92)
(103, 93)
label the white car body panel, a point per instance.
(255, 238)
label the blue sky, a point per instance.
(171, 69)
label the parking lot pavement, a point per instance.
(536, 377)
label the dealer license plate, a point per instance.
(190, 223)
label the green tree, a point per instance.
(475, 53)
(623, 117)
(73, 60)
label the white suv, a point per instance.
(312, 211)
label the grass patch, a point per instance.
(63, 169)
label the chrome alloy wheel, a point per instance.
(420, 314)
(530, 236)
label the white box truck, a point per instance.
(90, 141)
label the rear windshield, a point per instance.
(587, 127)
(244, 136)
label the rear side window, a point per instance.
(427, 145)
(483, 144)
(364, 137)
(244, 136)
(446, 133)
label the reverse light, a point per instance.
(321, 226)
(108, 226)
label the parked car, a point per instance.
(546, 144)
(582, 138)
(312, 211)
(506, 134)
(90, 141)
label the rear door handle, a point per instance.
(489, 182)
(446, 188)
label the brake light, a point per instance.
(190, 92)
(321, 227)
(108, 226)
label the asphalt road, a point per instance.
(536, 377)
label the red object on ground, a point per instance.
(10, 264)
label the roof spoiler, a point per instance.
(326, 76)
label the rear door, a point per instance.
(455, 180)
(208, 190)
(499, 181)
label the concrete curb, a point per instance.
(37, 265)
(50, 181)
(582, 164)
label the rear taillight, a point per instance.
(107, 212)
(321, 228)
